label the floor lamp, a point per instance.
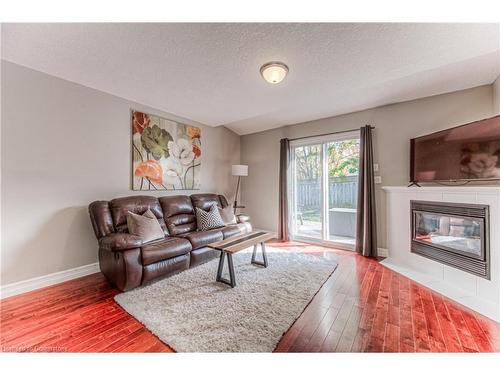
(240, 171)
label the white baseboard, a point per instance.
(382, 252)
(47, 280)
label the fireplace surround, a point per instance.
(456, 234)
(476, 292)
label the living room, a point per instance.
(251, 187)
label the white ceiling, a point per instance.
(210, 72)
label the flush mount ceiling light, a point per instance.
(274, 72)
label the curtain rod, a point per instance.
(320, 135)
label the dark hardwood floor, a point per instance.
(363, 307)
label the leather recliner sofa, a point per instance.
(127, 262)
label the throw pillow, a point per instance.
(207, 220)
(151, 215)
(145, 226)
(227, 215)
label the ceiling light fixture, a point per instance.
(274, 72)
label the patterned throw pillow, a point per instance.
(207, 220)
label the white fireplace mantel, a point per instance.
(472, 291)
(493, 189)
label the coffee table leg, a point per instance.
(264, 255)
(231, 270)
(221, 265)
(232, 280)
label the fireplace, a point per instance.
(455, 234)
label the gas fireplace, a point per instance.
(452, 233)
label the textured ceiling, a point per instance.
(210, 72)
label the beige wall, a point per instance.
(496, 96)
(63, 146)
(395, 125)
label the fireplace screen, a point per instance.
(462, 235)
(454, 234)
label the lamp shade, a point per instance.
(239, 170)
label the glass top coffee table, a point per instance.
(232, 245)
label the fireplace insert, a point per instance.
(455, 234)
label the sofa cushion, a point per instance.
(167, 248)
(206, 200)
(231, 231)
(203, 255)
(201, 239)
(178, 213)
(236, 229)
(138, 205)
(165, 267)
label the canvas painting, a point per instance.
(166, 155)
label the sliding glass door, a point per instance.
(342, 192)
(307, 172)
(323, 189)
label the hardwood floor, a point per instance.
(363, 307)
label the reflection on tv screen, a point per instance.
(466, 152)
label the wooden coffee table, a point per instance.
(232, 245)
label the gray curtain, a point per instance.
(283, 233)
(366, 220)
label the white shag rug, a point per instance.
(191, 312)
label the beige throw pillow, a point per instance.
(227, 215)
(145, 226)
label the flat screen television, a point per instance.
(464, 153)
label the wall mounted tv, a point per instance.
(464, 153)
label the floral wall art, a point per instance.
(166, 155)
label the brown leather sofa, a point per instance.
(127, 262)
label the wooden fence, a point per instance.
(342, 192)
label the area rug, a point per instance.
(191, 312)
